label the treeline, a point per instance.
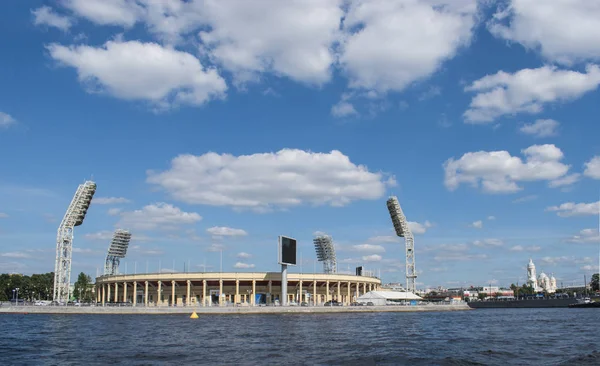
(34, 287)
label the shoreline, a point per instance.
(114, 310)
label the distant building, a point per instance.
(542, 282)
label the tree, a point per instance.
(82, 290)
(594, 282)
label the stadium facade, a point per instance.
(222, 289)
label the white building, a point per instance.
(387, 297)
(542, 282)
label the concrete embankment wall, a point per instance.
(224, 310)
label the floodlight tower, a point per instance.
(326, 253)
(64, 240)
(403, 231)
(116, 251)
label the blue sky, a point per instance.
(214, 126)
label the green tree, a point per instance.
(83, 290)
(594, 282)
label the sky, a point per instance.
(212, 127)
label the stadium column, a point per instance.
(314, 292)
(145, 293)
(159, 293)
(124, 291)
(357, 290)
(270, 292)
(173, 298)
(237, 292)
(339, 296)
(203, 292)
(221, 293)
(134, 293)
(108, 292)
(300, 293)
(103, 293)
(327, 291)
(116, 292)
(348, 299)
(187, 297)
(364, 287)
(253, 298)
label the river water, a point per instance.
(482, 336)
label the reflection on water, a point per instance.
(483, 336)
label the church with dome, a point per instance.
(541, 283)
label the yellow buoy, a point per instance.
(194, 315)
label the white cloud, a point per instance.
(243, 265)
(592, 168)
(525, 199)
(220, 231)
(541, 128)
(215, 247)
(586, 236)
(114, 211)
(263, 181)
(3, 215)
(368, 248)
(157, 216)
(6, 120)
(343, 109)
(384, 239)
(372, 258)
(244, 255)
(107, 12)
(527, 91)
(461, 247)
(454, 257)
(15, 255)
(541, 26)
(142, 71)
(418, 228)
(46, 16)
(477, 224)
(491, 217)
(389, 44)
(491, 242)
(567, 180)
(87, 251)
(575, 209)
(520, 248)
(109, 200)
(433, 91)
(499, 172)
(100, 235)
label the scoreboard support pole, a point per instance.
(284, 285)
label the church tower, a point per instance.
(531, 276)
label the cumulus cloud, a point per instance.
(491, 217)
(114, 211)
(499, 172)
(477, 224)
(6, 120)
(15, 255)
(3, 215)
(221, 231)
(586, 236)
(368, 248)
(372, 258)
(46, 16)
(241, 265)
(244, 255)
(592, 168)
(491, 242)
(157, 216)
(100, 235)
(528, 198)
(418, 228)
(264, 181)
(134, 70)
(569, 209)
(389, 44)
(459, 257)
(107, 12)
(541, 128)
(521, 248)
(527, 91)
(567, 180)
(540, 26)
(109, 200)
(384, 239)
(343, 109)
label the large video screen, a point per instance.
(288, 251)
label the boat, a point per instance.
(586, 303)
(528, 302)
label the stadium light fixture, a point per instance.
(116, 250)
(326, 253)
(403, 230)
(74, 216)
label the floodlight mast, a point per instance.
(326, 253)
(64, 239)
(116, 250)
(403, 230)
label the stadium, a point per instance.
(222, 288)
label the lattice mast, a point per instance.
(64, 239)
(403, 231)
(326, 253)
(116, 250)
